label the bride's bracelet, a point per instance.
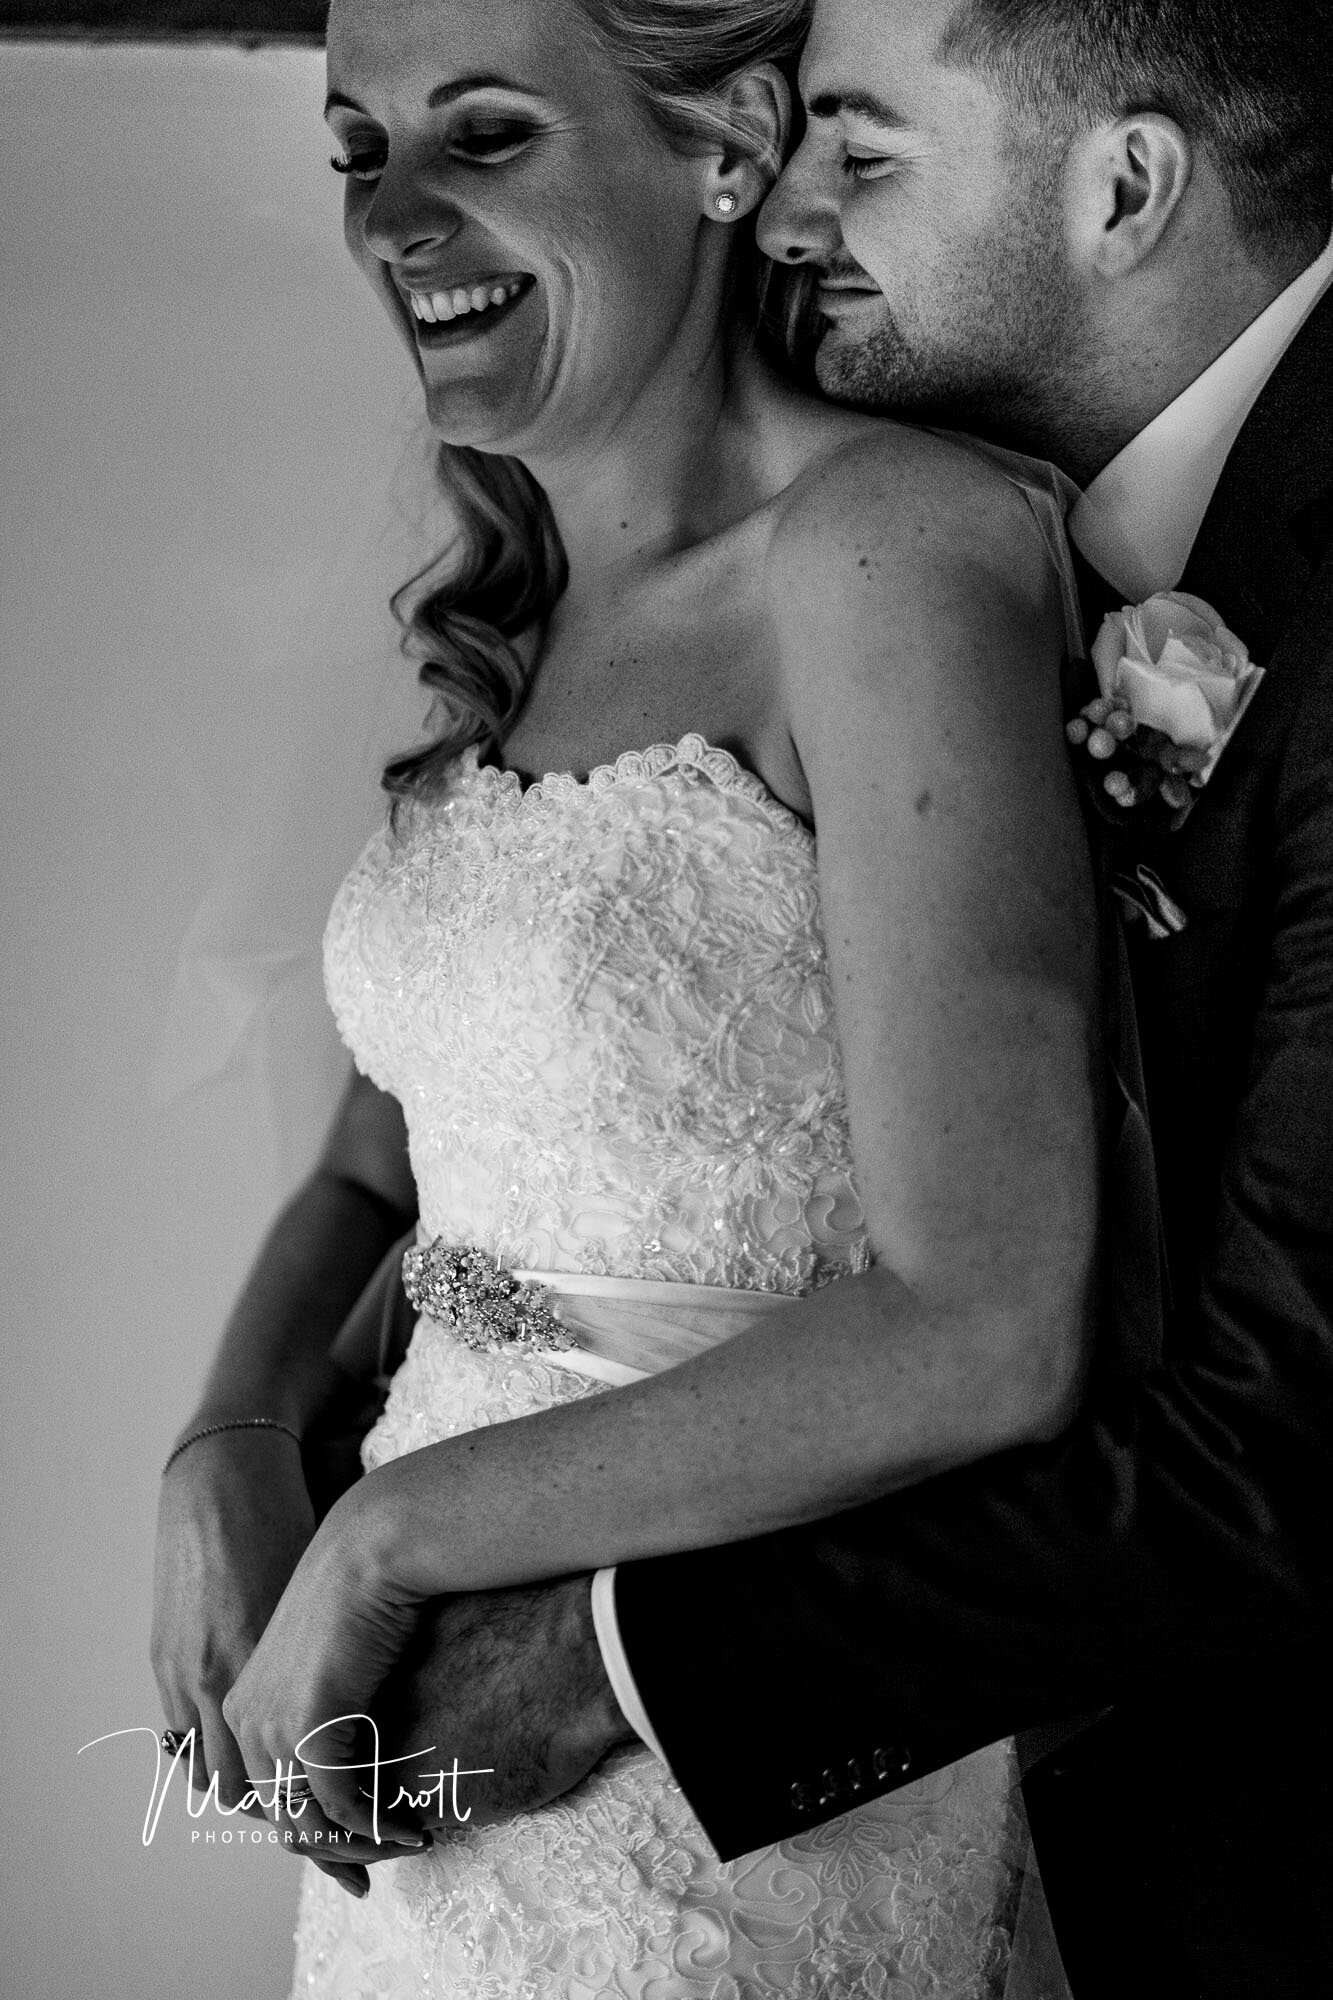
(235, 1424)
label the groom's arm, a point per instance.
(1180, 1527)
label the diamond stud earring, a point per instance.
(725, 204)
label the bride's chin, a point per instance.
(456, 421)
(534, 426)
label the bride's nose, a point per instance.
(406, 217)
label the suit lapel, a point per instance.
(1263, 542)
(1271, 518)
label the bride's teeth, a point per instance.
(436, 307)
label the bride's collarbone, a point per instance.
(603, 688)
(578, 743)
(584, 733)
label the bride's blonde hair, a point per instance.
(504, 569)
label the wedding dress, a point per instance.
(606, 1009)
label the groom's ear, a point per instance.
(758, 109)
(1125, 186)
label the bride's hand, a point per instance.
(233, 1519)
(303, 1699)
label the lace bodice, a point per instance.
(606, 1010)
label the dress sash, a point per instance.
(627, 1328)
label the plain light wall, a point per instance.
(213, 477)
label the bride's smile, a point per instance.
(471, 299)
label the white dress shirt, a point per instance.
(1136, 524)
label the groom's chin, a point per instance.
(847, 372)
(873, 369)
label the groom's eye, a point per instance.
(867, 166)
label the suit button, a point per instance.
(804, 1798)
(856, 1777)
(890, 1763)
(830, 1790)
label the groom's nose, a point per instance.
(799, 222)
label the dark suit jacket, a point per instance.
(1167, 1566)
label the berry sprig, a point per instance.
(1152, 764)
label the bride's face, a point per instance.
(531, 234)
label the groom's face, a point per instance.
(935, 224)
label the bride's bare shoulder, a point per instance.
(888, 522)
(917, 576)
(871, 492)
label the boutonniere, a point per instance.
(1174, 684)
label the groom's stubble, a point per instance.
(994, 339)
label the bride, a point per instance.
(729, 951)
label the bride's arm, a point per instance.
(921, 639)
(234, 1513)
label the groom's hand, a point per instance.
(510, 1683)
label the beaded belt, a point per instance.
(615, 1329)
(476, 1298)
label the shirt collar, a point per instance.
(1137, 522)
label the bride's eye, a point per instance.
(492, 140)
(479, 142)
(363, 166)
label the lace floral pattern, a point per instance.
(612, 1892)
(606, 1010)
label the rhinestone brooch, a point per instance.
(486, 1306)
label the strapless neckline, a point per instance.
(724, 771)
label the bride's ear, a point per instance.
(757, 108)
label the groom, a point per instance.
(1097, 232)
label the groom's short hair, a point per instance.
(1250, 81)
